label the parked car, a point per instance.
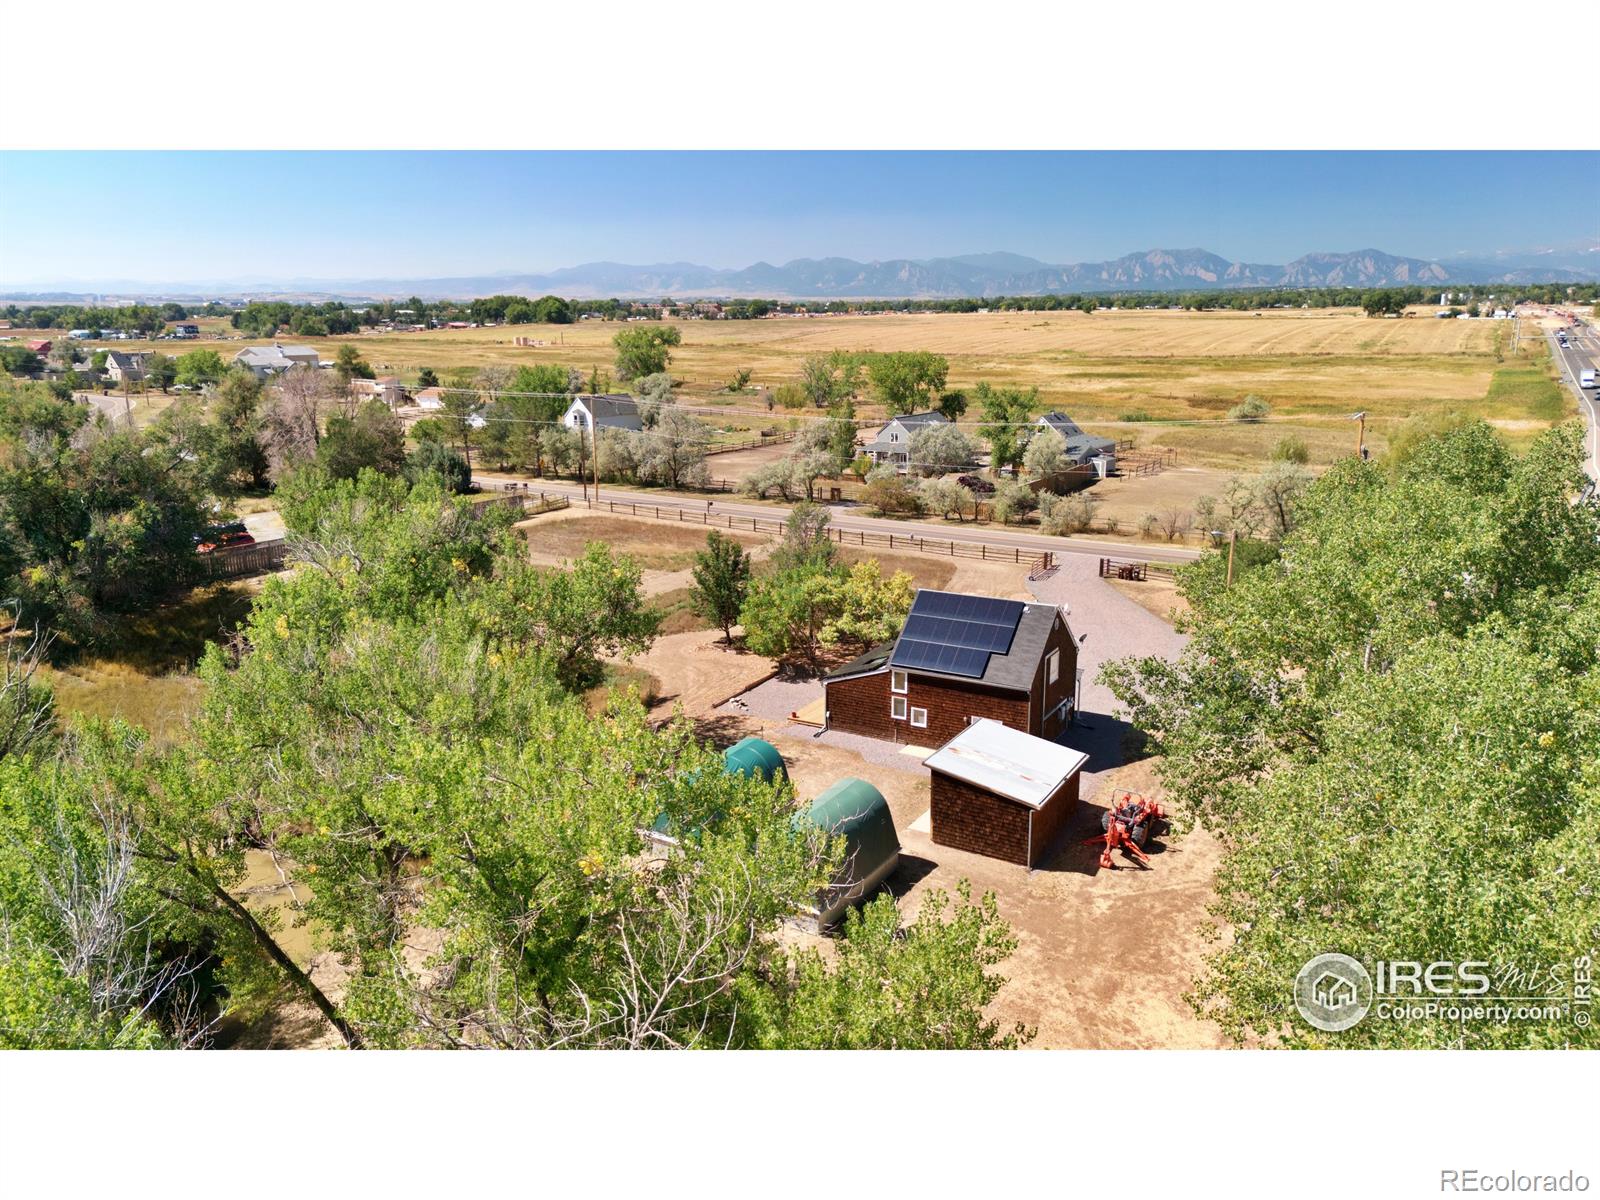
(227, 536)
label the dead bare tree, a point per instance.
(1174, 522)
(85, 888)
(27, 712)
(292, 418)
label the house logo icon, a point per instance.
(1333, 992)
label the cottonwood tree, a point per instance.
(644, 350)
(1387, 678)
(391, 727)
(1006, 413)
(907, 381)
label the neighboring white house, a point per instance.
(892, 446)
(275, 359)
(129, 367)
(431, 399)
(603, 412)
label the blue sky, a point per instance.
(221, 217)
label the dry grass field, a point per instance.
(1313, 366)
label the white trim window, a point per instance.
(897, 708)
(1053, 666)
(919, 718)
(899, 682)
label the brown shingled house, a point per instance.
(958, 658)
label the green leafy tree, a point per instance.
(1006, 413)
(160, 370)
(721, 581)
(198, 368)
(890, 492)
(348, 365)
(907, 381)
(952, 405)
(93, 521)
(829, 380)
(369, 438)
(922, 986)
(436, 459)
(644, 350)
(1390, 721)
(427, 378)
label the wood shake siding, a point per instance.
(969, 818)
(862, 705)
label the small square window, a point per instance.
(919, 718)
(897, 708)
(898, 682)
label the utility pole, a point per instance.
(1361, 434)
(1233, 536)
(127, 403)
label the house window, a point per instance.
(1054, 665)
(897, 707)
(919, 718)
(898, 682)
(894, 437)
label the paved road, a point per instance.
(1582, 353)
(848, 517)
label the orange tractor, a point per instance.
(1128, 824)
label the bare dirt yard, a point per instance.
(1104, 958)
(657, 546)
(1156, 595)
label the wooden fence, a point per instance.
(985, 551)
(232, 562)
(529, 503)
(776, 439)
(1121, 568)
(1146, 462)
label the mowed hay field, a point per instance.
(1314, 366)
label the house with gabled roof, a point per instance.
(617, 411)
(122, 366)
(892, 445)
(276, 359)
(1081, 447)
(958, 658)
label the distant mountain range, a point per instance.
(994, 274)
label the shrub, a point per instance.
(1292, 450)
(1251, 408)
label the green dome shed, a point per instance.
(857, 812)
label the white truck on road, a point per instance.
(1586, 379)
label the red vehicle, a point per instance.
(221, 537)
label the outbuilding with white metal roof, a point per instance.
(1003, 793)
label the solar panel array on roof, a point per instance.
(955, 634)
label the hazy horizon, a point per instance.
(210, 218)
